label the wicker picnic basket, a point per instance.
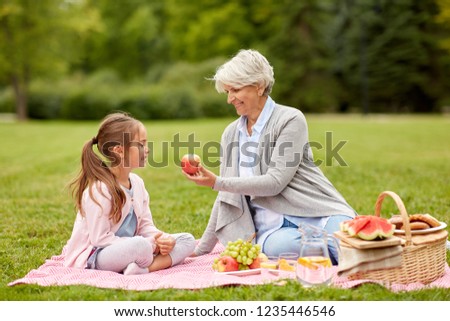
(422, 263)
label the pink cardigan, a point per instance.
(97, 230)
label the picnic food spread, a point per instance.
(403, 249)
(416, 252)
(382, 251)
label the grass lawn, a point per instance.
(406, 154)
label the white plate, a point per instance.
(425, 231)
(242, 273)
(274, 271)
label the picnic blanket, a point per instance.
(194, 273)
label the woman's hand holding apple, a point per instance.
(203, 177)
(192, 168)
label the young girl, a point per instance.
(114, 229)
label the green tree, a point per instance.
(300, 56)
(386, 54)
(35, 41)
(130, 38)
(203, 29)
(200, 30)
(443, 19)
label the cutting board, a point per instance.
(363, 244)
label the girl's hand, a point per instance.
(165, 243)
(203, 177)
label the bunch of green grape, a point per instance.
(243, 251)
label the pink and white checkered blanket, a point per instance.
(194, 273)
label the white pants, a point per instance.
(139, 250)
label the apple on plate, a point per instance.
(256, 264)
(189, 163)
(227, 264)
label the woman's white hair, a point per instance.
(247, 67)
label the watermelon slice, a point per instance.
(357, 225)
(344, 226)
(376, 228)
(368, 227)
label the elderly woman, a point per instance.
(268, 181)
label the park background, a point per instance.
(79, 59)
(372, 73)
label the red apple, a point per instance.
(227, 264)
(256, 264)
(189, 163)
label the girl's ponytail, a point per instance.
(94, 169)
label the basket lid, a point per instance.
(421, 239)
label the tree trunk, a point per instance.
(20, 92)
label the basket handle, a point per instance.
(402, 209)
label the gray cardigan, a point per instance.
(286, 180)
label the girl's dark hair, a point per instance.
(94, 169)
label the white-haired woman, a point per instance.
(268, 181)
